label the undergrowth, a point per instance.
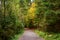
(48, 36)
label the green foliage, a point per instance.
(48, 36)
(47, 14)
(10, 24)
(17, 14)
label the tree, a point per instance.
(10, 21)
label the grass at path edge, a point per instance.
(48, 36)
(16, 37)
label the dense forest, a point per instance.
(15, 15)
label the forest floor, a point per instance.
(29, 34)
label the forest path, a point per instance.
(30, 35)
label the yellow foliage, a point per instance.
(33, 4)
(31, 11)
